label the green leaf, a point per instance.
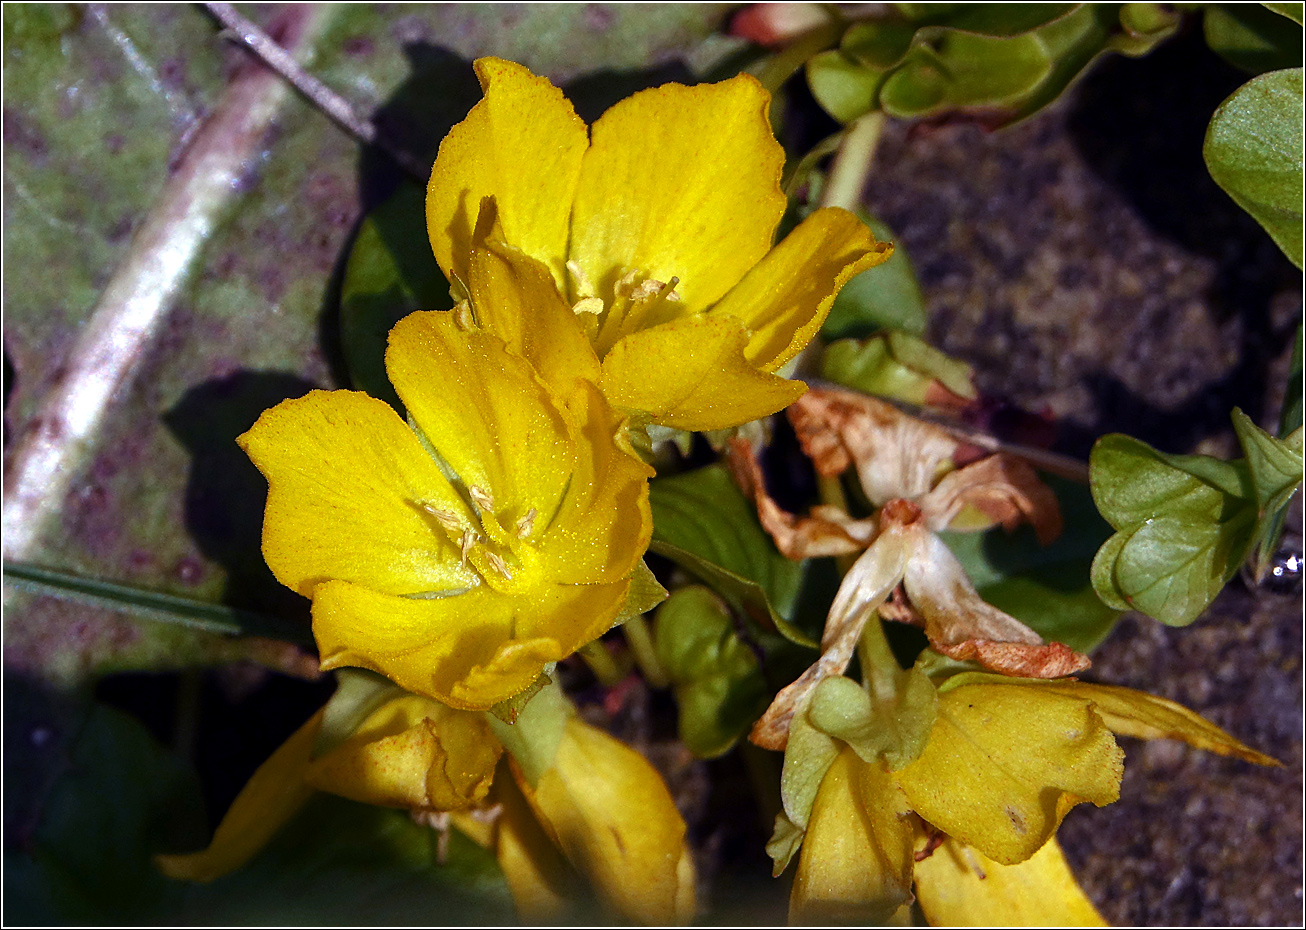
(898, 366)
(1291, 416)
(1253, 150)
(887, 296)
(1253, 37)
(846, 88)
(1048, 588)
(1291, 10)
(90, 798)
(1275, 464)
(1186, 524)
(391, 272)
(963, 70)
(991, 19)
(719, 687)
(703, 522)
(344, 863)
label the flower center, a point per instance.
(638, 302)
(494, 543)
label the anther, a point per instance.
(468, 540)
(526, 523)
(498, 564)
(588, 305)
(482, 498)
(445, 518)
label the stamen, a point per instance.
(669, 292)
(463, 316)
(482, 498)
(647, 288)
(498, 564)
(526, 523)
(588, 305)
(626, 284)
(489, 814)
(468, 540)
(447, 519)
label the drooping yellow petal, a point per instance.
(680, 182)
(1127, 712)
(691, 374)
(612, 815)
(269, 799)
(412, 753)
(347, 481)
(961, 887)
(484, 411)
(856, 861)
(522, 144)
(1004, 764)
(515, 297)
(470, 650)
(603, 526)
(786, 297)
(542, 884)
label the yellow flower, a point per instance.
(594, 805)
(655, 227)
(1004, 761)
(460, 556)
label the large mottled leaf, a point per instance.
(703, 522)
(108, 110)
(1048, 588)
(1253, 149)
(719, 687)
(1185, 523)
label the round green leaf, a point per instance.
(1253, 150)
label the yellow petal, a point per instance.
(603, 526)
(786, 297)
(484, 411)
(543, 886)
(346, 483)
(961, 887)
(680, 182)
(1004, 764)
(611, 814)
(412, 753)
(470, 650)
(1127, 712)
(522, 144)
(691, 374)
(516, 299)
(856, 860)
(269, 799)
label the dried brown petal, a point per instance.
(1055, 660)
(1003, 488)
(895, 455)
(827, 532)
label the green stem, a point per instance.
(646, 657)
(880, 668)
(601, 663)
(852, 164)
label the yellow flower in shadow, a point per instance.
(654, 228)
(460, 553)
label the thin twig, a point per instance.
(266, 49)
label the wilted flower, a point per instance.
(655, 229)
